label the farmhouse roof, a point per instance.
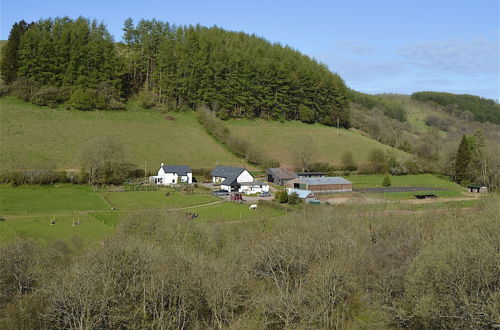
(179, 169)
(281, 173)
(325, 180)
(228, 172)
(476, 186)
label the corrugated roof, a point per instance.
(300, 192)
(325, 180)
(282, 173)
(179, 169)
(228, 172)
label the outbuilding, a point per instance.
(280, 175)
(478, 189)
(172, 174)
(306, 195)
(321, 185)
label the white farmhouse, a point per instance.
(172, 174)
(237, 179)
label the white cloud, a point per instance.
(476, 56)
(355, 47)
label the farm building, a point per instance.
(280, 175)
(311, 174)
(306, 195)
(237, 179)
(477, 189)
(321, 185)
(172, 174)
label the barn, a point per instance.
(321, 185)
(280, 175)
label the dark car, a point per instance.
(265, 194)
(221, 192)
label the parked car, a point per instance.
(221, 192)
(265, 194)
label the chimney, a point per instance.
(162, 164)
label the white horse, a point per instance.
(253, 207)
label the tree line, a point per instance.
(469, 107)
(77, 62)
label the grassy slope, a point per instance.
(277, 139)
(30, 135)
(418, 111)
(28, 210)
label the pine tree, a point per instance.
(9, 63)
(462, 160)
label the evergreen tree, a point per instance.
(9, 63)
(462, 160)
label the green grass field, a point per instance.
(28, 210)
(415, 180)
(155, 200)
(49, 199)
(32, 135)
(277, 139)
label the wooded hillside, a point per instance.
(236, 75)
(464, 106)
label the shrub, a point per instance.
(107, 97)
(82, 99)
(49, 96)
(348, 163)
(377, 161)
(282, 196)
(146, 99)
(293, 199)
(387, 181)
(320, 167)
(23, 88)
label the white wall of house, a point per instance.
(245, 176)
(167, 179)
(258, 188)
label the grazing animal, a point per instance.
(253, 207)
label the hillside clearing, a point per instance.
(31, 136)
(277, 139)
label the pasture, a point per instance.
(32, 136)
(277, 139)
(28, 210)
(410, 180)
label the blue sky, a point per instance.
(376, 46)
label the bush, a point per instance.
(377, 161)
(293, 199)
(387, 181)
(49, 96)
(23, 88)
(282, 196)
(107, 97)
(348, 163)
(82, 99)
(146, 99)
